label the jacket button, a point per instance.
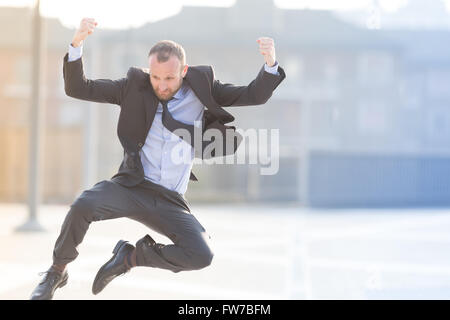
(140, 144)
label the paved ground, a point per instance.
(261, 252)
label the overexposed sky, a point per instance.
(134, 13)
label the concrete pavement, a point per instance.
(262, 251)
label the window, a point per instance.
(438, 83)
(375, 68)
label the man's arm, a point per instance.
(75, 83)
(260, 89)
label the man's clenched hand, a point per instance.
(87, 26)
(267, 49)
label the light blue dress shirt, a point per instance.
(166, 158)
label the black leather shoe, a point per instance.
(46, 288)
(114, 267)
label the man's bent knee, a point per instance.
(202, 260)
(83, 209)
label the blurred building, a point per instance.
(363, 114)
(62, 148)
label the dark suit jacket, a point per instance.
(138, 103)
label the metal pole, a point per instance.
(91, 129)
(36, 119)
(303, 159)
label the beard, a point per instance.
(168, 94)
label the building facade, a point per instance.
(362, 115)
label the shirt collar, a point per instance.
(181, 92)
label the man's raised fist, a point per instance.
(87, 27)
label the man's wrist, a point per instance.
(76, 43)
(272, 69)
(271, 63)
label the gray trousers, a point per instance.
(157, 207)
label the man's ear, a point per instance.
(185, 69)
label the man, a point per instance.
(150, 185)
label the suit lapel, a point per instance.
(199, 83)
(150, 101)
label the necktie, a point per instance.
(172, 124)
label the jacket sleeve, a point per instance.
(257, 92)
(101, 90)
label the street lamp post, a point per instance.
(36, 119)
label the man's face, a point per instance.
(166, 77)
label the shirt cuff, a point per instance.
(75, 53)
(273, 69)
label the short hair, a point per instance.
(165, 49)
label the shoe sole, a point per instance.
(116, 249)
(62, 284)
